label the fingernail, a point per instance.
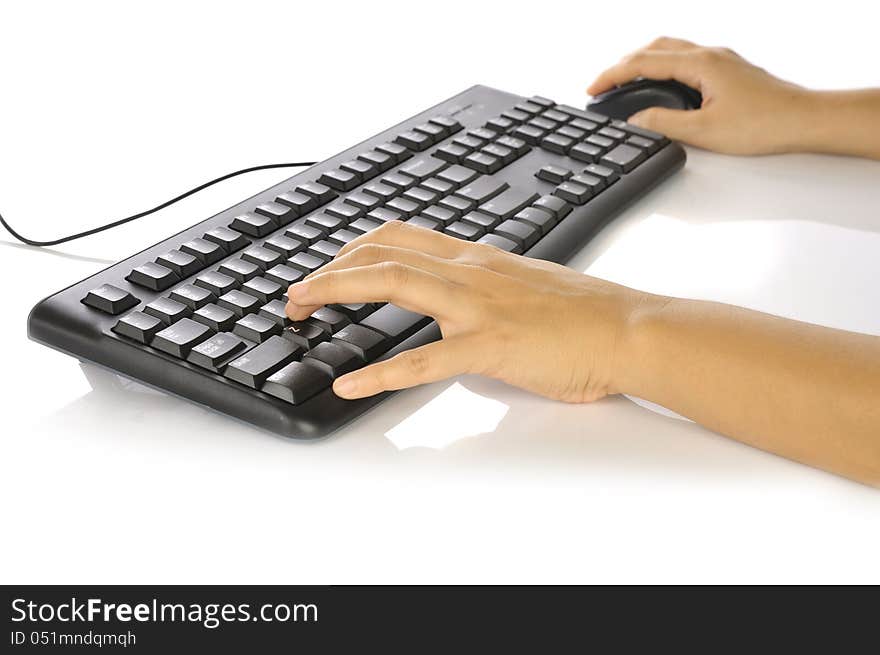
(344, 387)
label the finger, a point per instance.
(677, 124)
(435, 361)
(396, 233)
(406, 286)
(658, 65)
(369, 254)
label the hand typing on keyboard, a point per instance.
(746, 110)
(531, 323)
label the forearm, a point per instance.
(840, 122)
(802, 391)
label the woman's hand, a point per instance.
(745, 110)
(531, 323)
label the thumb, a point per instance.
(678, 124)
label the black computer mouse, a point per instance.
(623, 101)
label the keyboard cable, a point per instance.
(167, 203)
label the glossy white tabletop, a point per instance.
(466, 480)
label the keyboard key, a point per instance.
(329, 319)
(253, 225)
(367, 344)
(421, 168)
(167, 310)
(404, 206)
(339, 180)
(553, 174)
(325, 250)
(152, 276)
(530, 134)
(259, 363)
(586, 152)
(556, 206)
(557, 143)
(284, 275)
(439, 214)
(274, 311)
(449, 124)
(256, 328)
(305, 262)
(280, 214)
(452, 153)
(219, 319)
(501, 242)
(265, 289)
(205, 251)
(523, 233)
(623, 158)
(434, 131)
(399, 152)
(362, 226)
(362, 169)
(599, 140)
(581, 113)
(110, 299)
(192, 296)
(463, 230)
(519, 146)
(381, 161)
(262, 257)
(300, 203)
(382, 191)
(296, 383)
(230, 240)
(395, 322)
(239, 302)
(541, 219)
(138, 326)
(342, 237)
(363, 200)
(383, 215)
(178, 339)
(607, 174)
(574, 192)
(507, 203)
(306, 233)
(329, 223)
(414, 140)
(215, 352)
(284, 245)
(481, 220)
(240, 269)
(333, 359)
(483, 163)
(320, 192)
(181, 263)
(482, 189)
(306, 334)
(216, 282)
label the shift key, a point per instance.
(395, 322)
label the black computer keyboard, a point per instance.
(201, 314)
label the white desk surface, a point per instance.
(466, 480)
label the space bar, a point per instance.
(395, 322)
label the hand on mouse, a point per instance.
(745, 109)
(531, 323)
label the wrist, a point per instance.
(635, 343)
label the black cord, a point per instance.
(123, 221)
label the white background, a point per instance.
(108, 109)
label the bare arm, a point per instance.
(802, 391)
